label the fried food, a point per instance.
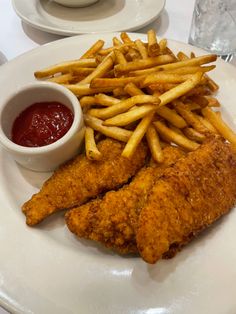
(81, 179)
(113, 219)
(190, 196)
(127, 92)
(131, 73)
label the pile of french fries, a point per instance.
(135, 89)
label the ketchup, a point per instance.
(41, 124)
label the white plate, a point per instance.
(103, 16)
(47, 270)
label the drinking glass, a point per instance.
(214, 26)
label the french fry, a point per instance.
(87, 101)
(182, 56)
(171, 116)
(174, 128)
(81, 71)
(170, 52)
(115, 82)
(120, 58)
(190, 117)
(191, 62)
(207, 124)
(194, 135)
(132, 55)
(175, 137)
(174, 65)
(165, 112)
(123, 48)
(116, 42)
(85, 89)
(200, 100)
(198, 90)
(65, 67)
(133, 90)
(141, 48)
(109, 74)
(110, 55)
(168, 81)
(91, 52)
(100, 71)
(125, 38)
(212, 101)
(123, 106)
(110, 131)
(119, 92)
(132, 108)
(147, 71)
(192, 105)
(62, 79)
(105, 100)
(212, 84)
(160, 87)
(153, 47)
(142, 64)
(137, 136)
(91, 149)
(220, 125)
(163, 45)
(154, 144)
(100, 58)
(130, 116)
(180, 90)
(162, 77)
(191, 69)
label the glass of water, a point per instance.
(214, 26)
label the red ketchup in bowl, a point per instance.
(41, 124)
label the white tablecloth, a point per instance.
(17, 37)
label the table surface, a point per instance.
(16, 37)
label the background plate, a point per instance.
(47, 270)
(103, 16)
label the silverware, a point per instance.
(227, 58)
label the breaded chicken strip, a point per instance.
(113, 219)
(81, 179)
(190, 196)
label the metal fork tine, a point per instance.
(227, 58)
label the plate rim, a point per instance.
(61, 31)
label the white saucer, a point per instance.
(103, 16)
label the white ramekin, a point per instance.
(49, 157)
(76, 3)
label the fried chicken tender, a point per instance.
(81, 179)
(113, 219)
(190, 196)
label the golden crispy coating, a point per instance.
(82, 179)
(191, 195)
(113, 219)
